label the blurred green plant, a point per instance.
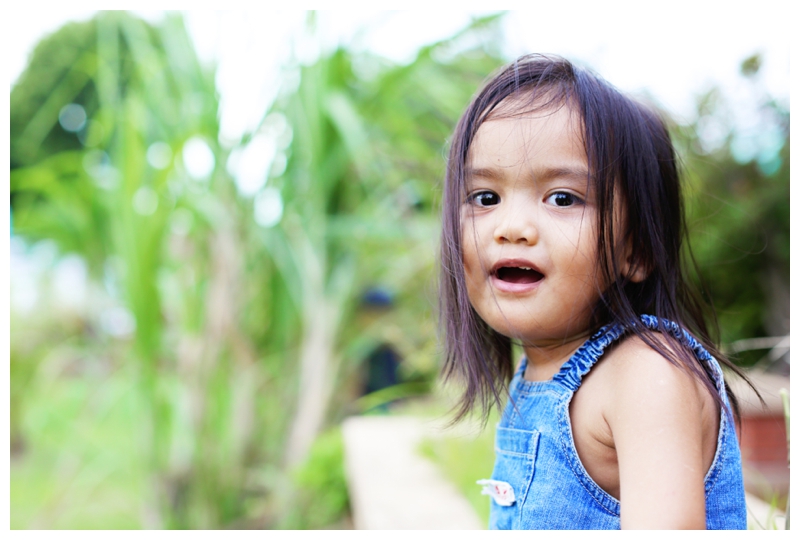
(738, 202)
(78, 470)
(357, 190)
(358, 210)
(249, 333)
(321, 497)
(101, 138)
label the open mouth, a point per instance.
(518, 274)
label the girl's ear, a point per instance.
(632, 268)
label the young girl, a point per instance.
(562, 232)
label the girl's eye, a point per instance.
(484, 198)
(563, 199)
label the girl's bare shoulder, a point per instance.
(663, 422)
(639, 369)
(639, 377)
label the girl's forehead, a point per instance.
(532, 103)
(546, 132)
(535, 119)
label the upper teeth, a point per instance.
(525, 268)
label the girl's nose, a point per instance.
(516, 229)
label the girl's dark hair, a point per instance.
(630, 157)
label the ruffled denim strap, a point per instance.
(574, 369)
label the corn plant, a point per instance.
(115, 199)
(359, 185)
(246, 334)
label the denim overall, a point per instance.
(538, 480)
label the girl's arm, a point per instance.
(656, 416)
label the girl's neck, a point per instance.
(545, 360)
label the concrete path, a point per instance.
(391, 485)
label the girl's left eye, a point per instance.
(484, 198)
(563, 199)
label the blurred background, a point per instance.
(224, 226)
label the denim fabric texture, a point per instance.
(535, 451)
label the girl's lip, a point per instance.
(507, 286)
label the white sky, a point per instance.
(674, 51)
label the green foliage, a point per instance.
(234, 319)
(78, 470)
(141, 88)
(751, 65)
(321, 500)
(358, 187)
(60, 71)
(739, 216)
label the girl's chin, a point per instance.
(539, 336)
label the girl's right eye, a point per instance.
(484, 198)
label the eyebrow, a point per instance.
(540, 175)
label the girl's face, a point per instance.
(529, 228)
